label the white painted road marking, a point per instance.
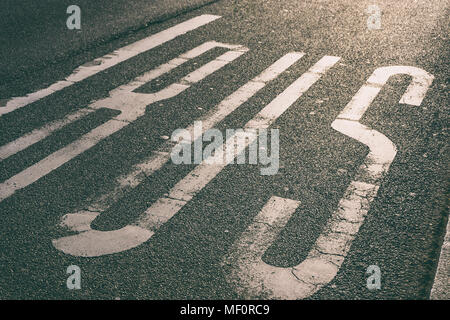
(132, 106)
(110, 60)
(93, 243)
(441, 284)
(254, 278)
(162, 155)
(41, 133)
(245, 256)
(416, 91)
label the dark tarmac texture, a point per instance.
(405, 226)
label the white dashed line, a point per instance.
(100, 64)
(91, 243)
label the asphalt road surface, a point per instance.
(86, 176)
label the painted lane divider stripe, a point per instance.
(132, 106)
(41, 133)
(254, 278)
(107, 61)
(91, 243)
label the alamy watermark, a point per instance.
(74, 280)
(374, 280)
(74, 20)
(189, 148)
(374, 19)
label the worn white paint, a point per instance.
(100, 64)
(123, 92)
(416, 91)
(132, 106)
(246, 270)
(441, 284)
(165, 208)
(162, 155)
(255, 279)
(39, 134)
